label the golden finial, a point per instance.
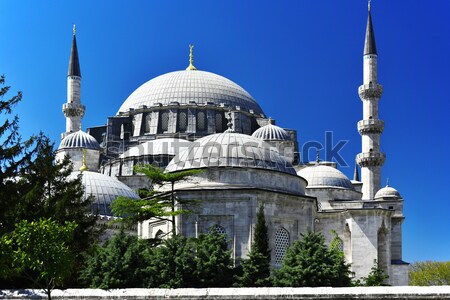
(74, 29)
(368, 5)
(84, 166)
(191, 58)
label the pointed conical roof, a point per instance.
(356, 173)
(369, 45)
(74, 64)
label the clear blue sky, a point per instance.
(300, 59)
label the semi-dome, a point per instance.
(79, 139)
(271, 132)
(230, 149)
(104, 188)
(190, 87)
(387, 192)
(164, 146)
(320, 176)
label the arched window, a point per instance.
(218, 229)
(281, 244)
(182, 121)
(219, 121)
(201, 121)
(164, 122)
(148, 119)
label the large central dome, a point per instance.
(190, 87)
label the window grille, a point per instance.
(164, 121)
(219, 122)
(148, 119)
(281, 244)
(182, 121)
(201, 121)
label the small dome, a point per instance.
(164, 146)
(271, 132)
(387, 192)
(319, 176)
(104, 188)
(230, 149)
(187, 87)
(79, 139)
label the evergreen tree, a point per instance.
(34, 186)
(15, 155)
(213, 265)
(172, 265)
(256, 269)
(121, 263)
(308, 263)
(154, 205)
(376, 277)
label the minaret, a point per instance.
(73, 110)
(371, 158)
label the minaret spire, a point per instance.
(191, 58)
(369, 45)
(371, 158)
(74, 63)
(73, 110)
(356, 173)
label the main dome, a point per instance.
(190, 87)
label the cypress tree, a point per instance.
(256, 269)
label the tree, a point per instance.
(171, 265)
(426, 273)
(154, 205)
(213, 260)
(256, 269)
(376, 277)
(14, 157)
(121, 263)
(308, 263)
(34, 186)
(40, 250)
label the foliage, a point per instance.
(41, 247)
(376, 277)
(256, 269)
(172, 264)
(14, 156)
(119, 264)
(126, 261)
(34, 186)
(308, 263)
(213, 260)
(155, 205)
(427, 273)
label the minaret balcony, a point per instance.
(371, 91)
(73, 109)
(372, 158)
(370, 126)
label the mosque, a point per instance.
(193, 119)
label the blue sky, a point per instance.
(300, 59)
